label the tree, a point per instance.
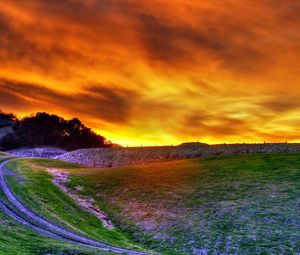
(44, 129)
(7, 119)
(8, 142)
(41, 129)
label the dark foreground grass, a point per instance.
(243, 204)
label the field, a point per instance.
(238, 204)
(16, 239)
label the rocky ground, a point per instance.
(109, 157)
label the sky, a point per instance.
(159, 72)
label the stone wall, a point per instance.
(108, 157)
(42, 152)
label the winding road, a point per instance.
(19, 212)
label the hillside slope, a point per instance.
(242, 204)
(72, 231)
(19, 239)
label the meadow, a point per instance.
(234, 204)
(16, 239)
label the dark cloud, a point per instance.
(238, 40)
(199, 124)
(26, 52)
(9, 100)
(111, 104)
(171, 43)
(280, 105)
(235, 45)
(97, 102)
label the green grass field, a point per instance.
(16, 239)
(240, 204)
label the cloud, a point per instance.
(155, 70)
(280, 105)
(241, 41)
(97, 102)
(199, 124)
(11, 101)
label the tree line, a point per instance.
(44, 129)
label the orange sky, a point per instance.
(156, 72)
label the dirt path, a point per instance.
(61, 178)
(25, 216)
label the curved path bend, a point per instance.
(25, 216)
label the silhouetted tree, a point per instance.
(51, 130)
(41, 129)
(8, 142)
(7, 119)
(76, 135)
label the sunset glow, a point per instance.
(156, 72)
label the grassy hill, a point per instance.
(240, 204)
(15, 239)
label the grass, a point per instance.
(4, 155)
(16, 239)
(238, 204)
(33, 185)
